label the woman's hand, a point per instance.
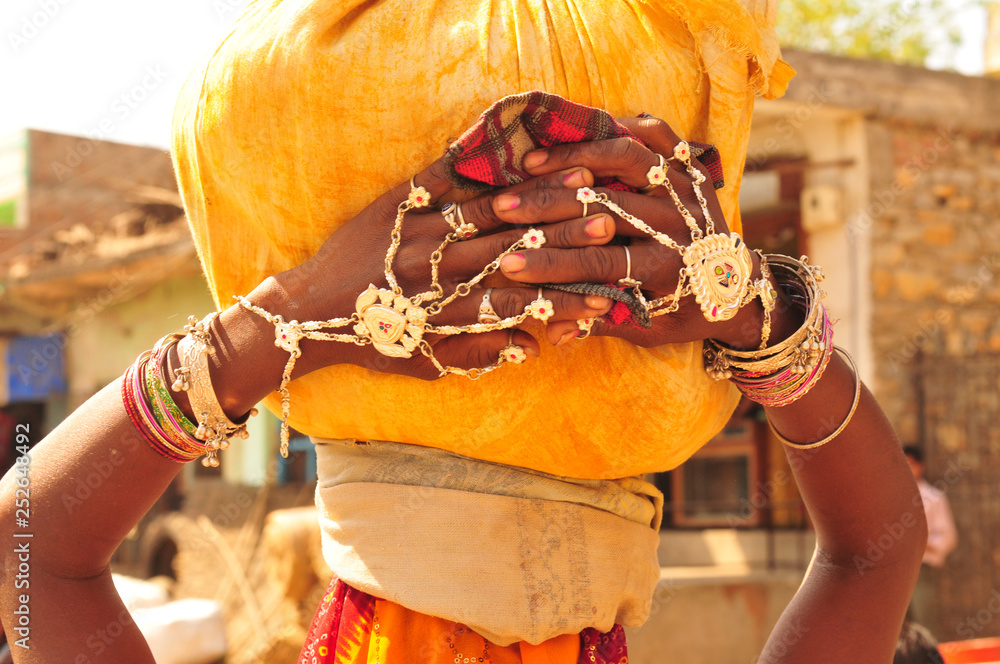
(656, 266)
(328, 285)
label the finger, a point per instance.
(565, 332)
(566, 266)
(548, 206)
(489, 212)
(624, 159)
(658, 135)
(653, 265)
(511, 302)
(653, 132)
(466, 259)
(478, 351)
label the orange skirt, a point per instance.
(352, 627)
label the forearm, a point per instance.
(77, 621)
(857, 486)
(91, 480)
(870, 528)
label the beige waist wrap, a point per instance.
(516, 555)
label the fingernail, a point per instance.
(598, 303)
(597, 227)
(513, 263)
(575, 179)
(531, 352)
(569, 336)
(533, 159)
(507, 202)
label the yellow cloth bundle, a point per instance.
(310, 109)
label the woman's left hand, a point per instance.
(656, 266)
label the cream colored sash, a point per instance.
(516, 555)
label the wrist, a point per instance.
(745, 330)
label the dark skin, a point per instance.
(853, 487)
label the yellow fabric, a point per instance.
(312, 108)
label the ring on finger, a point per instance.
(541, 308)
(584, 325)
(487, 314)
(448, 211)
(627, 280)
(466, 230)
(512, 352)
(656, 175)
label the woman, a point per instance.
(850, 606)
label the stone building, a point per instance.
(889, 177)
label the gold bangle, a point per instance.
(847, 420)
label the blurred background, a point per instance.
(882, 163)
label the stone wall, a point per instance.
(931, 220)
(935, 237)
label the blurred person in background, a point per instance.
(916, 646)
(942, 537)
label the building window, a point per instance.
(713, 485)
(300, 466)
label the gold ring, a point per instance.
(656, 175)
(512, 352)
(487, 314)
(448, 211)
(466, 231)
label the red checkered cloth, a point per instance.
(489, 154)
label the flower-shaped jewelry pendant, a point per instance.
(586, 195)
(394, 326)
(467, 231)
(512, 353)
(541, 309)
(682, 152)
(657, 174)
(419, 197)
(534, 239)
(719, 268)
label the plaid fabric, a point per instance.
(489, 154)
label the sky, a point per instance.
(112, 69)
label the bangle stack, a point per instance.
(784, 373)
(151, 407)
